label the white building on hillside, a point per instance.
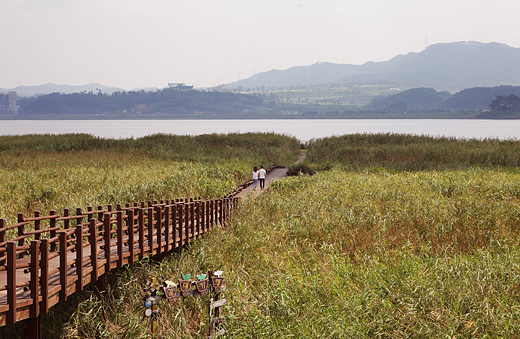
(8, 103)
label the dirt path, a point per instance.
(278, 173)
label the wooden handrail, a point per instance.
(46, 264)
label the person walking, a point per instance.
(255, 177)
(261, 177)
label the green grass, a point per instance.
(53, 172)
(403, 152)
(44, 172)
(416, 237)
(346, 254)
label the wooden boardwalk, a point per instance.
(48, 258)
(35, 277)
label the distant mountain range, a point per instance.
(66, 89)
(444, 66)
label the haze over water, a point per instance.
(303, 130)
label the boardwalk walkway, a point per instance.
(68, 253)
(274, 174)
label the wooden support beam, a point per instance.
(11, 282)
(108, 242)
(44, 278)
(32, 328)
(79, 257)
(35, 278)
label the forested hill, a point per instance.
(420, 99)
(166, 101)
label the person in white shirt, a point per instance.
(255, 177)
(261, 176)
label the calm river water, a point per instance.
(304, 130)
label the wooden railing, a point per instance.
(47, 258)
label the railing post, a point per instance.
(21, 232)
(44, 283)
(79, 257)
(174, 225)
(197, 218)
(37, 225)
(202, 227)
(181, 224)
(119, 236)
(107, 220)
(187, 223)
(66, 222)
(212, 214)
(229, 207)
(158, 227)
(32, 325)
(130, 226)
(141, 232)
(192, 217)
(63, 265)
(52, 224)
(167, 228)
(208, 215)
(35, 278)
(224, 210)
(93, 250)
(2, 236)
(32, 328)
(220, 212)
(11, 281)
(100, 214)
(150, 229)
(79, 212)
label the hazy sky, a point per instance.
(148, 43)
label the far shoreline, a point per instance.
(361, 116)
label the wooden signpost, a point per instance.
(206, 284)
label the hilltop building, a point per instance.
(180, 86)
(8, 103)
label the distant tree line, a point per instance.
(501, 98)
(492, 102)
(509, 102)
(165, 101)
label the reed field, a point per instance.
(393, 236)
(347, 255)
(44, 172)
(404, 152)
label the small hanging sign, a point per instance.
(217, 283)
(170, 293)
(184, 286)
(170, 290)
(202, 286)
